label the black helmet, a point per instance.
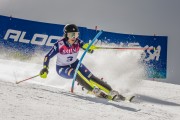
(70, 28)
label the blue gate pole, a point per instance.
(79, 63)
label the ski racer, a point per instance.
(67, 50)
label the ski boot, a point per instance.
(115, 96)
(99, 93)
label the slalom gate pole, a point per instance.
(17, 82)
(125, 48)
(79, 63)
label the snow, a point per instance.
(50, 99)
(156, 101)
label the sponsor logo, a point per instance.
(37, 39)
(151, 54)
(71, 50)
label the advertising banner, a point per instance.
(19, 36)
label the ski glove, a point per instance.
(91, 49)
(44, 72)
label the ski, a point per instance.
(118, 98)
(126, 99)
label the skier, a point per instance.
(67, 50)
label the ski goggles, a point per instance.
(71, 35)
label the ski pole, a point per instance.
(17, 82)
(125, 48)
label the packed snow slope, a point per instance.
(50, 99)
(28, 101)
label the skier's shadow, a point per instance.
(87, 98)
(144, 98)
(99, 100)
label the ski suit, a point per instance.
(67, 61)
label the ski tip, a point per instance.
(131, 98)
